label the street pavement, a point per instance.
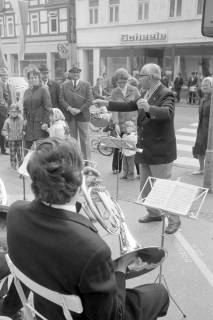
(188, 268)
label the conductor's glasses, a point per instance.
(142, 75)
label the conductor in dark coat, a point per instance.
(156, 134)
(61, 249)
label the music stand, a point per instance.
(119, 143)
(172, 197)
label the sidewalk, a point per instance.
(127, 190)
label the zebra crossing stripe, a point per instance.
(184, 147)
(187, 130)
(185, 138)
(186, 162)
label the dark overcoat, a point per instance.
(62, 250)
(36, 110)
(80, 97)
(203, 127)
(156, 134)
(54, 90)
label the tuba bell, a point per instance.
(104, 211)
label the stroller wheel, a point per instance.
(104, 150)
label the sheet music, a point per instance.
(181, 198)
(171, 196)
(159, 194)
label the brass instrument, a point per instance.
(103, 210)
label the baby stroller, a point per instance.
(100, 119)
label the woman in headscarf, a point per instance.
(58, 126)
(200, 146)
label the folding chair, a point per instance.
(66, 302)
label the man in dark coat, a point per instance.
(53, 86)
(76, 98)
(192, 86)
(61, 249)
(178, 83)
(156, 134)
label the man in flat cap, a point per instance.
(76, 98)
(53, 86)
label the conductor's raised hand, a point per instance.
(143, 105)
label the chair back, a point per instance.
(66, 302)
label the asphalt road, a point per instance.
(188, 268)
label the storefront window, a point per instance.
(60, 67)
(34, 59)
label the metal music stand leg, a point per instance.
(24, 187)
(117, 180)
(161, 278)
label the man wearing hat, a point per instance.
(76, 98)
(53, 86)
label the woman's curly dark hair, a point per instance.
(55, 168)
(33, 70)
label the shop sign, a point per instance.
(63, 50)
(144, 37)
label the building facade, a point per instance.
(124, 33)
(50, 36)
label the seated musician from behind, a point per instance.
(60, 249)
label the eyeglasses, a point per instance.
(141, 75)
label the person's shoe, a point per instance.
(115, 171)
(5, 153)
(149, 218)
(130, 178)
(123, 177)
(172, 227)
(197, 173)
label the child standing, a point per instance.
(129, 155)
(58, 126)
(13, 131)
